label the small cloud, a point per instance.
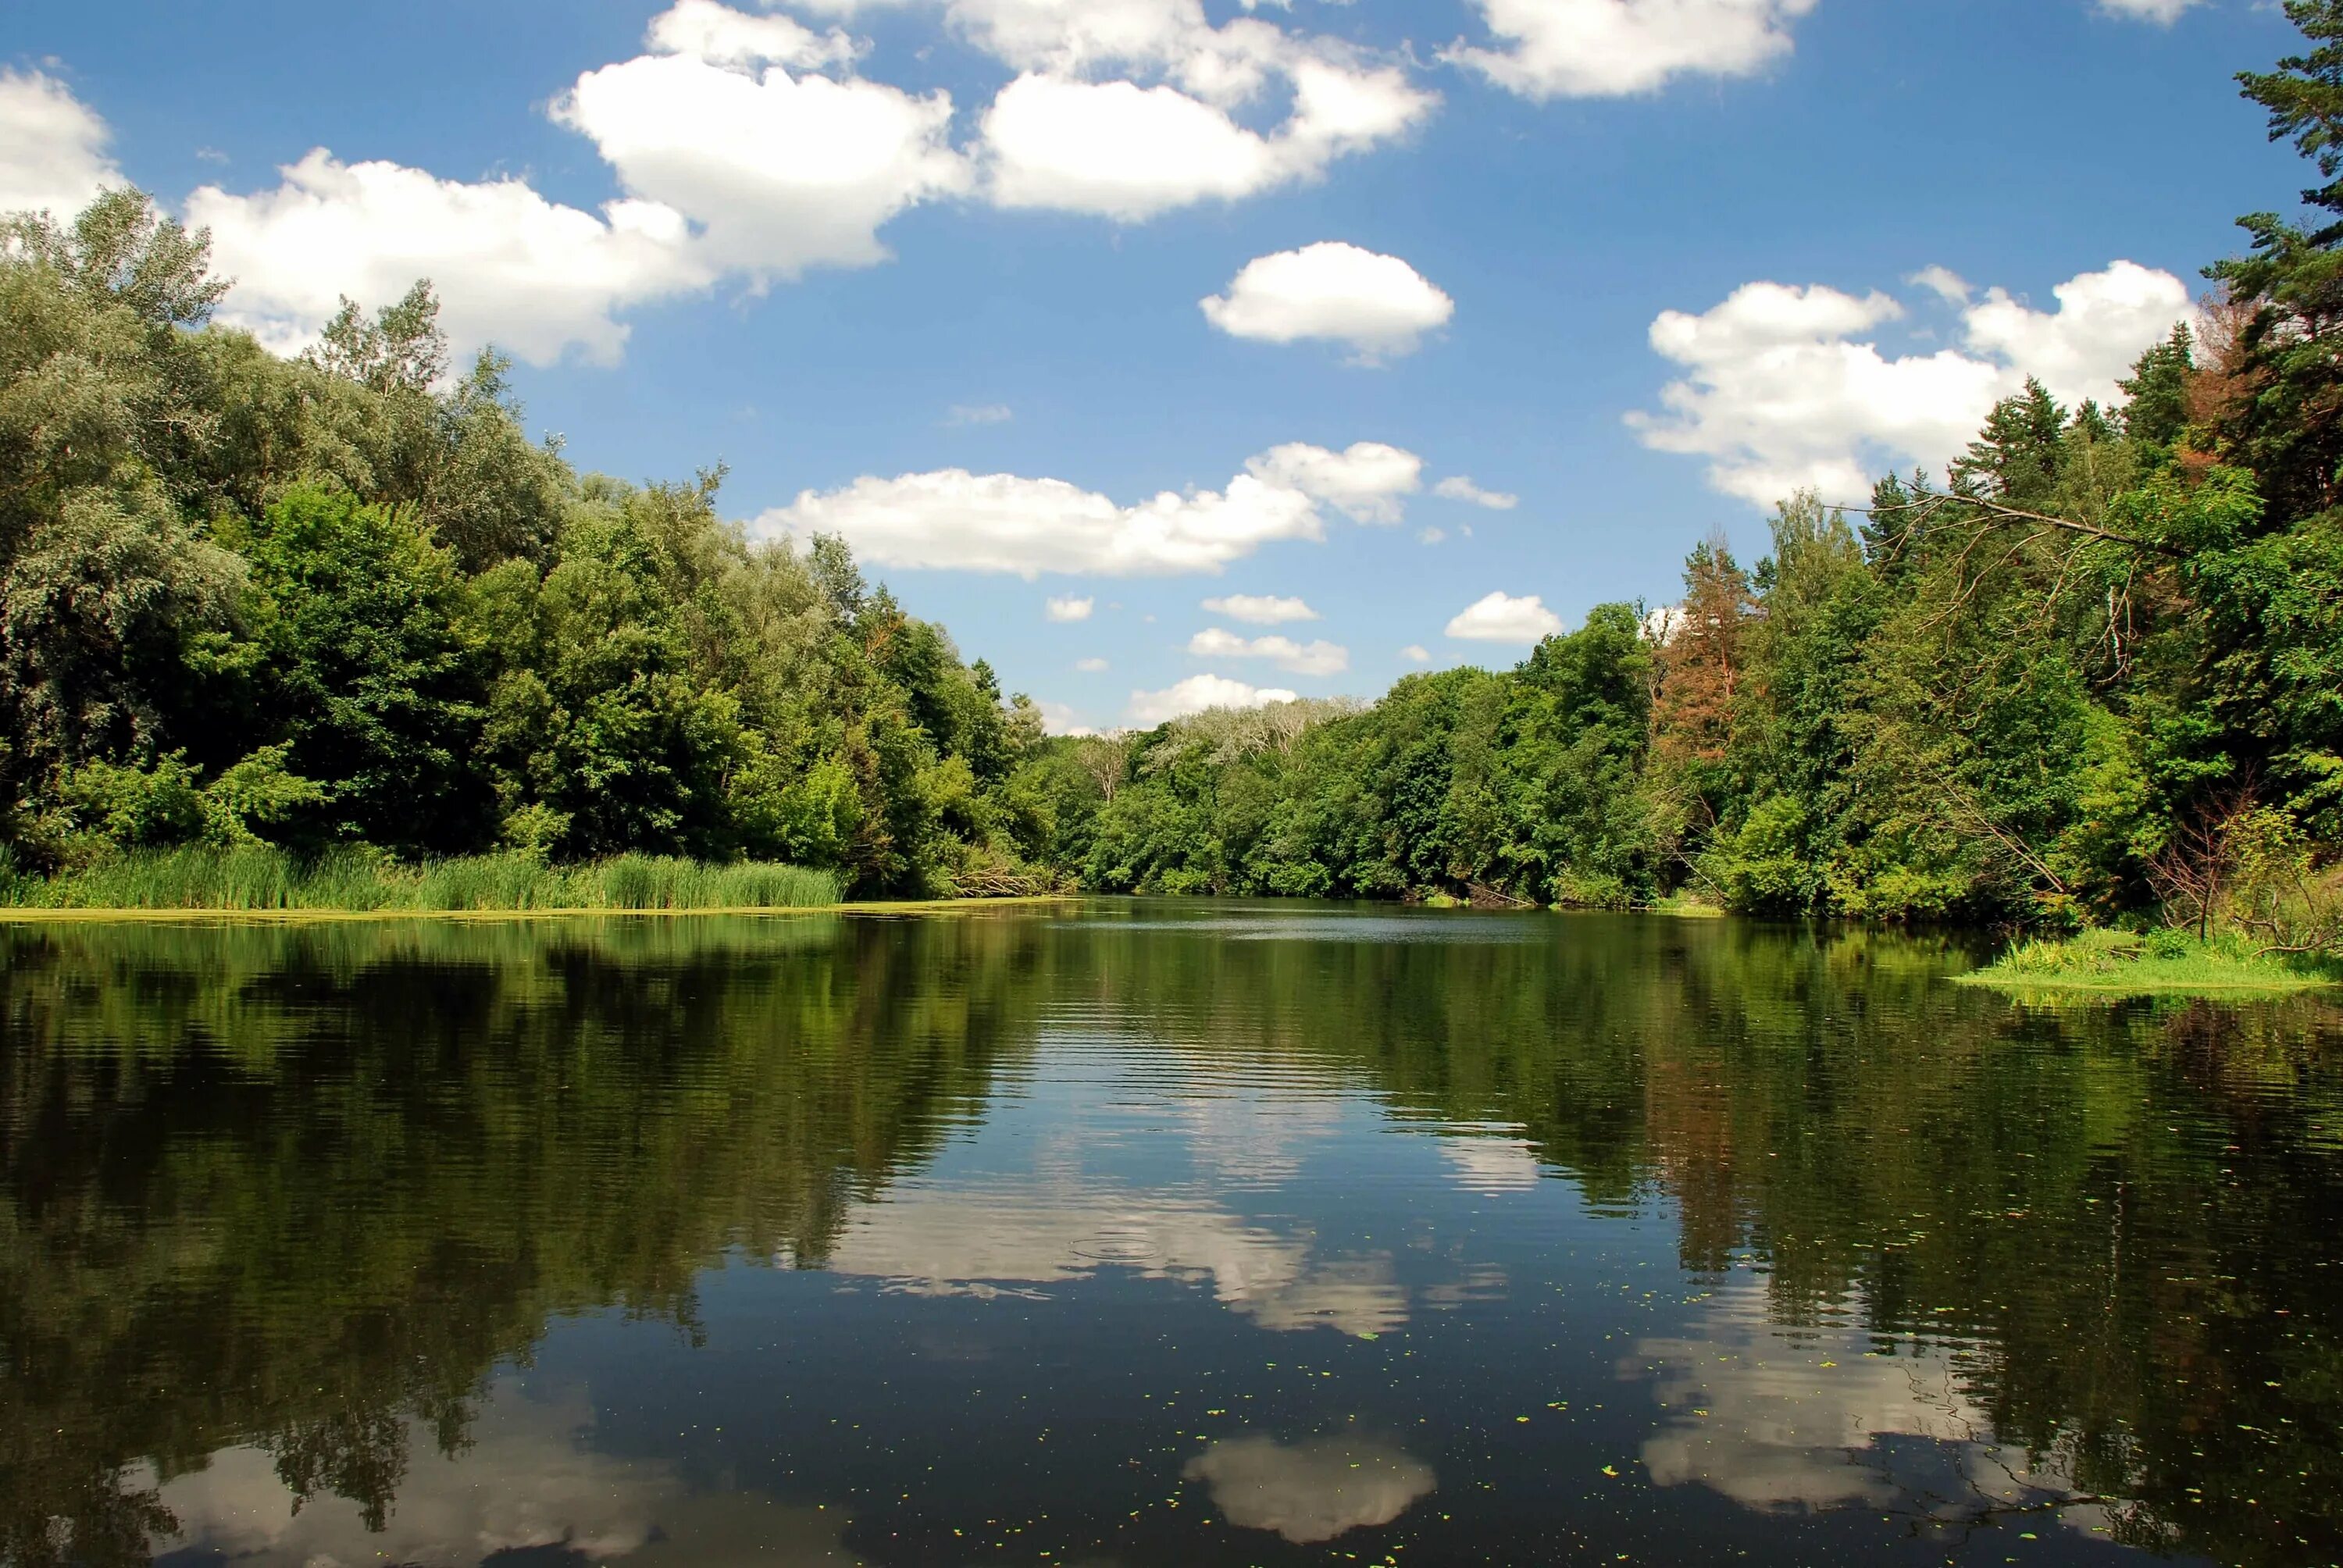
(980, 414)
(210, 156)
(1378, 304)
(1944, 282)
(1459, 487)
(1198, 693)
(1295, 659)
(1500, 618)
(1431, 536)
(1070, 609)
(1059, 719)
(1260, 610)
(1416, 653)
(1091, 666)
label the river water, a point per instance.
(1149, 1233)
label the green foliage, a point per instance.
(344, 600)
(245, 875)
(2117, 964)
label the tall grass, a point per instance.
(255, 876)
(2123, 963)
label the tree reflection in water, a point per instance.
(283, 1206)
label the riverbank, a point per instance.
(2158, 963)
(255, 879)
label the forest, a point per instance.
(339, 610)
(2094, 672)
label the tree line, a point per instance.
(2094, 668)
(342, 600)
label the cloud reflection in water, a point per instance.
(1313, 1491)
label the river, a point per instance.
(1149, 1232)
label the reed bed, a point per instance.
(255, 876)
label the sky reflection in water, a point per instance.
(1136, 1233)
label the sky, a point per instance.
(1182, 352)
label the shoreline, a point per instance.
(37, 915)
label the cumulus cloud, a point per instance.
(1319, 657)
(747, 146)
(1500, 618)
(1416, 653)
(1001, 523)
(1310, 1491)
(1127, 108)
(52, 147)
(1091, 666)
(723, 36)
(1070, 609)
(1460, 488)
(777, 171)
(1121, 150)
(1786, 387)
(536, 277)
(2162, 13)
(954, 519)
(732, 165)
(1378, 304)
(1261, 609)
(1604, 48)
(1367, 482)
(1197, 693)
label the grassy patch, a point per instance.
(1687, 906)
(256, 879)
(2160, 963)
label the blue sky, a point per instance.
(929, 271)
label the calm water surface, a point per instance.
(1142, 1233)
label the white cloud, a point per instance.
(1458, 487)
(1312, 1490)
(2103, 323)
(732, 165)
(1601, 48)
(1783, 388)
(1943, 283)
(1261, 609)
(980, 414)
(1367, 482)
(1431, 536)
(1197, 693)
(1500, 618)
(954, 519)
(723, 36)
(52, 147)
(1091, 666)
(1127, 108)
(509, 267)
(1070, 609)
(1060, 719)
(1121, 150)
(1116, 148)
(1001, 523)
(779, 173)
(1319, 657)
(2162, 13)
(1379, 305)
(1416, 653)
